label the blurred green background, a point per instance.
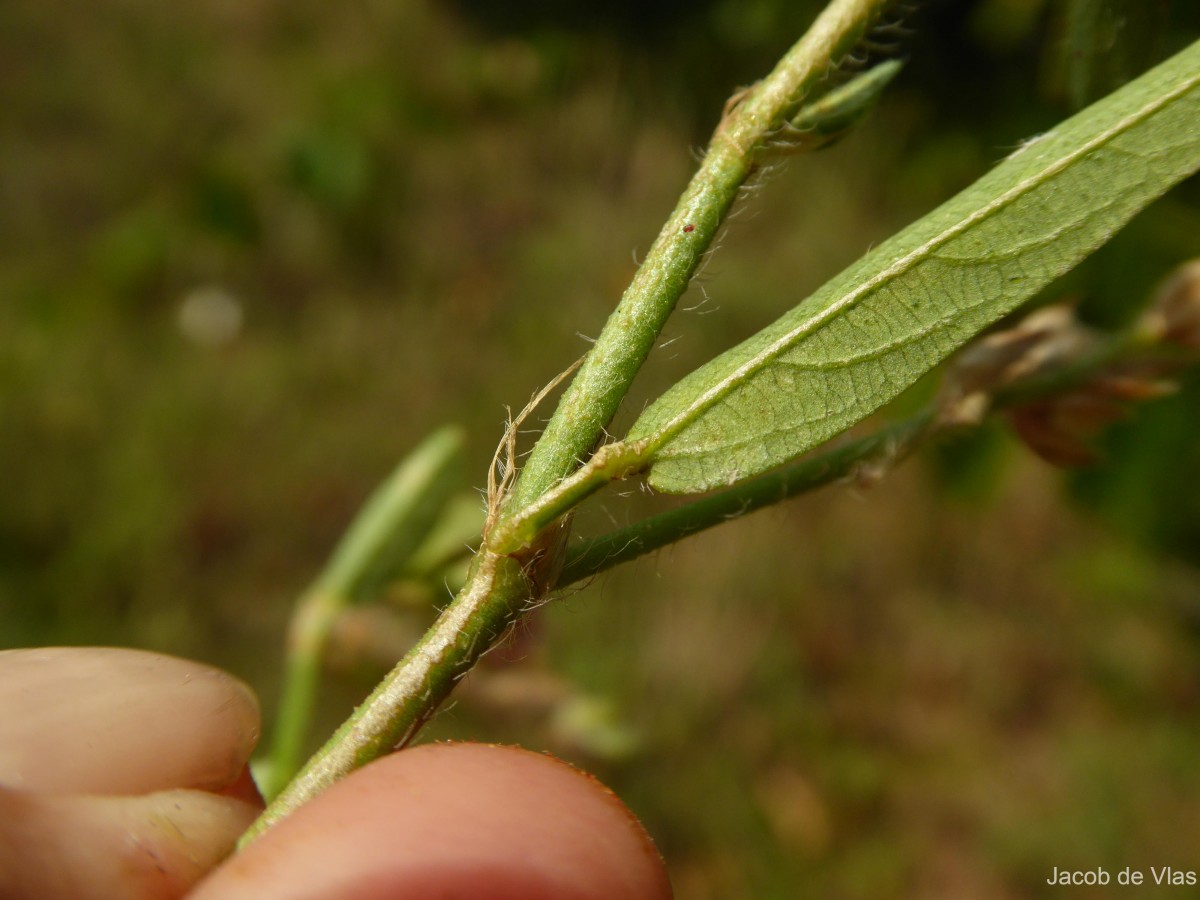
(251, 253)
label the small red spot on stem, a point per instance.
(689, 228)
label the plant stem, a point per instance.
(610, 463)
(496, 592)
(502, 584)
(887, 446)
(592, 399)
(308, 633)
(390, 526)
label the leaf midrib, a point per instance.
(749, 368)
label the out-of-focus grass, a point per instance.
(906, 691)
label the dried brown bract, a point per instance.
(1061, 383)
(1174, 316)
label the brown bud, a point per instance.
(1060, 428)
(1174, 316)
(1038, 426)
(1046, 338)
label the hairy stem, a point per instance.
(609, 369)
(515, 566)
(886, 447)
(391, 525)
(495, 595)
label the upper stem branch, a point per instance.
(592, 399)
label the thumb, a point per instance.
(453, 820)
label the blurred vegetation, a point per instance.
(251, 253)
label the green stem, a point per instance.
(308, 633)
(516, 566)
(592, 399)
(610, 463)
(602, 553)
(888, 446)
(391, 525)
(496, 593)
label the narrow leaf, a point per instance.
(829, 119)
(396, 518)
(1104, 44)
(876, 328)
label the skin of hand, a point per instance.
(124, 774)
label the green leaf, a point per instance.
(876, 328)
(396, 518)
(830, 118)
(1105, 43)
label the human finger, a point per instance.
(149, 847)
(453, 820)
(101, 720)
